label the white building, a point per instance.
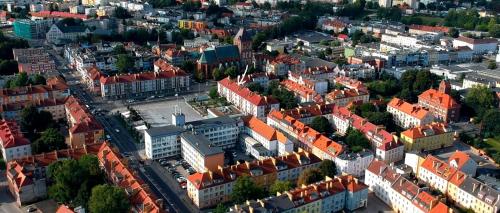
(13, 144)
(354, 163)
(407, 115)
(222, 131)
(478, 46)
(463, 162)
(162, 142)
(62, 32)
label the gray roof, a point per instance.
(201, 144)
(165, 130)
(212, 122)
(480, 191)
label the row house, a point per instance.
(45, 14)
(56, 88)
(330, 195)
(256, 133)
(261, 78)
(246, 101)
(424, 29)
(166, 80)
(283, 63)
(440, 103)
(399, 192)
(408, 115)
(27, 178)
(12, 111)
(302, 93)
(316, 78)
(12, 142)
(356, 71)
(91, 76)
(335, 25)
(213, 187)
(83, 126)
(344, 97)
(428, 137)
(192, 24)
(142, 200)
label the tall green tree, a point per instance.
(491, 123)
(322, 125)
(49, 140)
(125, 63)
(309, 176)
(106, 198)
(33, 122)
(480, 98)
(220, 208)
(328, 168)
(356, 140)
(245, 189)
(280, 186)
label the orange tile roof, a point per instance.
(420, 132)
(139, 194)
(409, 109)
(458, 178)
(345, 93)
(437, 98)
(58, 14)
(11, 135)
(438, 167)
(245, 93)
(352, 184)
(440, 208)
(257, 125)
(64, 209)
(84, 120)
(429, 28)
(285, 59)
(166, 71)
(460, 158)
(302, 90)
(425, 201)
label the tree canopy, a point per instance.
(121, 13)
(280, 186)
(125, 63)
(33, 122)
(22, 79)
(309, 176)
(356, 140)
(322, 125)
(49, 140)
(106, 198)
(479, 99)
(328, 168)
(245, 189)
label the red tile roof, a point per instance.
(352, 184)
(285, 59)
(53, 84)
(245, 93)
(438, 167)
(437, 98)
(10, 135)
(121, 175)
(409, 109)
(440, 208)
(84, 121)
(477, 41)
(420, 132)
(302, 90)
(257, 125)
(58, 14)
(429, 28)
(167, 71)
(460, 158)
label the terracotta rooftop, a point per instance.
(438, 98)
(10, 135)
(438, 167)
(407, 108)
(426, 130)
(84, 121)
(245, 93)
(258, 126)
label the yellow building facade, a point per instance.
(429, 137)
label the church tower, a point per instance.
(243, 40)
(445, 87)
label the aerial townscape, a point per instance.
(250, 106)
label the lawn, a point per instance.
(428, 20)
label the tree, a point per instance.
(245, 189)
(218, 74)
(125, 63)
(119, 49)
(255, 87)
(492, 65)
(34, 122)
(356, 140)
(106, 198)
(122, 13)
(188, 66)
(480, 98)
(280, 186)
(213, 93)
(38, 80)
(49, 140)
(309, 176)
(453, 32)
(231, 71)
(322, 125)
(8, 67)
(220, 208)
(327, 168)
(490, 123)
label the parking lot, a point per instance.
(160, 113)
(179, 169)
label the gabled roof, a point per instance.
(10, 135)
(438, 167)
(459, 158)
(438, 98)
(245, 93)
(426, 130)
(261, 128)
(218, 54)
(409, 109)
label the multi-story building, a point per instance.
(29, 29)
(11, 111)
(216, 57)
(428, 137)
(34, 60)
(436, 173)
(243, 40)
(302, 93)
(408, 115)
(354, 163)
(282, 64)
(167, 79)
(211, 188)
(56, 88)
(331, 195)
(142, 200)
(346, 96)
(12, 142)
(198, 151)
(222, 131)
(192, 24)
(246, 101)
(92, 76)
(463, 162)
(440, 103)
(60, 31)
(399, 192)
(83, 127)
(351, 83)
(27, 178)
(162, 142)
(478, 46)
(271, 141)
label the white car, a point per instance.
(117, 130)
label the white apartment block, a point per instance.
(478, 46)
(354, 163)
(162, 142)
(222, 131)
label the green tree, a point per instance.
(309, 176)
(106, 198)
(280, 186)
(255, 87)
(49, 140)
(220, 208)
(218, 74)
(245, 189)
(188, 66)
(125, 63)
(492, 65)
(490, 123)
(231, 72)
(8, 67)
(480, 98)
(121, 13)
(213, 93)
(327, 168)
(356, 140)
(322, 125)
(38, 80)
(119, 49)
(453, 32)
(34, 122)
